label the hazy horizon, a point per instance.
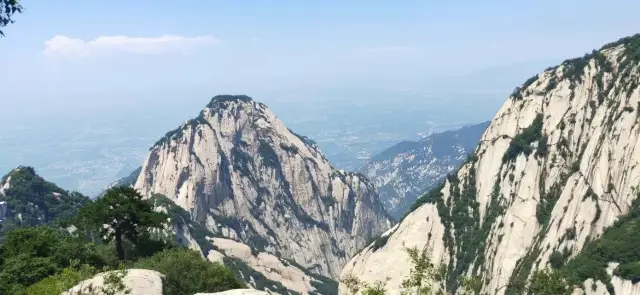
(88, 87)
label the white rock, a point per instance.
(237, 292)
(215, 256)
(268, 265)
(138, 281)
(4, 186)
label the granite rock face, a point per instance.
(272, 268)
(241, 172)
(259, 270)
(558, 165)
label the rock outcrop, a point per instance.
(557, 166)
(282, 273)
(408, 169)
(237, 292)
(238, 170)
(4, 207)
(135, 281)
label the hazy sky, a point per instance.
(65, 55)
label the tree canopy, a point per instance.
(188, 273)
(29, 255)
(122, 212)
(8, 8)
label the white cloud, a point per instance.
(71, 47)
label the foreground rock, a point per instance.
(137, 282)
(237, 292)
(559, 164)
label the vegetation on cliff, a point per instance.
(33, 201)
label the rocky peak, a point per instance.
(223, 101)
(21, 177)
(238, 169)
(25, 171)
(556, 167)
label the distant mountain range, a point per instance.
(408, 169)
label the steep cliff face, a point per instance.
(557, 166)
(26, 199)
(259, 270)
(237, 169)
(405, 171)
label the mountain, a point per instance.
(240, 172)
(26, 199)
(553, 183)
(408, 169)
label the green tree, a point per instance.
(23, 270)
(73, 275)
(352, 282)
(354, 285)
(32, 254)
(548, 282)
(470, 285)
(61, 281)
(7, 9)
(423, 277)
(122, 212)
(186, 272)
(378, 288)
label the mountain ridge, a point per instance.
(555, 168)
(27, 199)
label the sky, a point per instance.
(70, 56)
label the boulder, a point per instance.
(137, 281)
(237, 292)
